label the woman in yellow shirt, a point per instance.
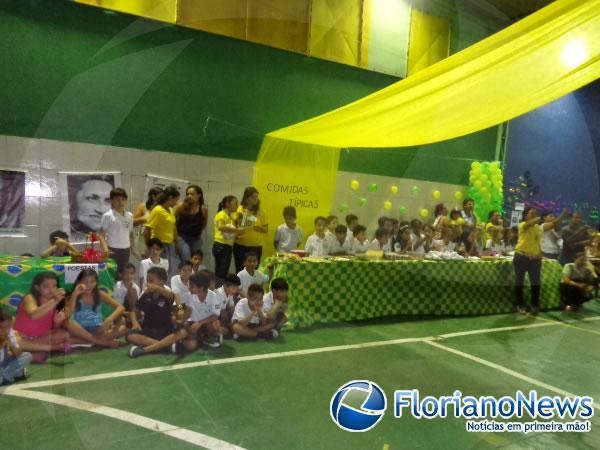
(161, 225)
(252, 219)
(225, 233)
(528, 258)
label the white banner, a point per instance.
(73, 270)
(12, 203)
(162, 182)
(85, 198)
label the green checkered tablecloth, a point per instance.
(17, 273)
(323, 291)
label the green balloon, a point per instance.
(362, 201)
(344, 208)
(373, 187)
(415, 190)
(402, 210)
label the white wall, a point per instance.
(43, 159)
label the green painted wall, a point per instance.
(77, 73)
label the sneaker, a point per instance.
(236, 337)
(135, 351)
(67, 347)
(215, 342)
(23, 375)
(521, 310)
(173, 348)
(275, 333)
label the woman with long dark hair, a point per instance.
(140, 217)
(191, 217)
(253, 221)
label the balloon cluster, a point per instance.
(485, 187)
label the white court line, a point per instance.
(507, 371)
(192, 437)
(265, 356)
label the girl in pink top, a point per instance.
(38, 323)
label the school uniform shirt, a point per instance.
(360, 247)
(204, 309)
(242, 310)
(316, 246)
(225, 301)
(157, 311)
(162, 223)
(118, 228)
(496, 248)
(287, 238)
(335, 248)
(247, 279)
(4, 351)
(420, 250)
(223, 218)
(120, 292)
(145, 264)
(180, 288)
(440, 246)
(201, 268)
(376, 245)
(269, 302)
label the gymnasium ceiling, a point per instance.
(517, 9)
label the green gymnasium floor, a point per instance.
(276, 395)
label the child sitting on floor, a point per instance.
(249, 320)
(13, 361)
(317, 244)
(197, 258)
(275, 303)
(40, 318)
(203, 324)
(289, 234)
(249, 274)
(180, 284)
(227, 296)
(88, 325)
(360, 244)
(59, 245)
(339, 244)
(155, 249)
(161, 328)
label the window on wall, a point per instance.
(388, 36)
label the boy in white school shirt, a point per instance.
(317, 244)
(154, 246)
(116, 226)
(249, 320)
(227, 295)
(249, 275)
(360, 243)
(275, 303)
(289, 234)
(338, 243)
(180, 284)
(203, 324)
(381, 241)
(126, 292)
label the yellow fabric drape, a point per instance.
(531, 63)
(429, 41)
(163, 10)
(291, 174)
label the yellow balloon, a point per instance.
(354, 185)
(387, 205)
(460, 221)
(424, 213)
(458, 195)
(436, 195)
(394, 189)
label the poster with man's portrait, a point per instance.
(86, 197)
(12, 202)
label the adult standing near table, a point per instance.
(191, 216)
(140, 217)
(162, 225)
(575, 237)
(253, 220)
(528, 258)
(469, 218)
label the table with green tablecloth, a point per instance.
(326, 290)
(17, 273)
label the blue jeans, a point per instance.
(188, 245)
(12, 367)
(170, 254)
